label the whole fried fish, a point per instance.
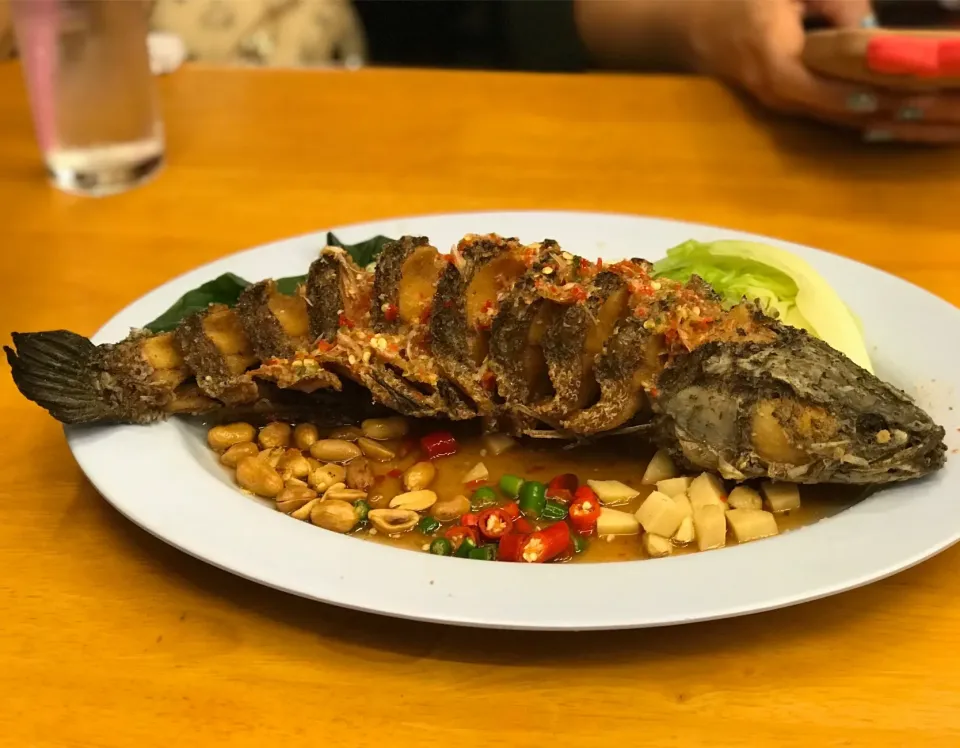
(531, 339)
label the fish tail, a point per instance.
(56, 370)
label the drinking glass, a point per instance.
(92, 94)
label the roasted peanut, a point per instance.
(415, 500)
(290, 506)
(303, 513)
(335, 515)
(334, 450)
(419, 476)
(290, 493)
(294, 483)
(293, 464)
(275, 434)
(272, 457)
(344, 494)
(393, 521)
(360, 474)
(346, 433)
(304, 435)
(322, 478)
(450, 509)
(335, 487)
(258, 477)
(237, 452)
(375, 450)
(314, 464)
(222, 437)
(384, 428)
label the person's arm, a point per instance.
(645, 34)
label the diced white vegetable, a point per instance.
(744, 497)
(683, 502)
(656, 546)
(659, 468)
(685, 533)
(615, 522)
(781, 497)
(477, 472)
(497, 444)
(710, 525)
(660, 514)
(706, 489)
(672, 486)
(612, 492)
(751, 524)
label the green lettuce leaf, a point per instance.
(227, 288)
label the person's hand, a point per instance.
(757, 45)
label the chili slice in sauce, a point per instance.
(494, 523)
(510, 546)
(546, 544)
(585, 510)
(512, 508)
(456, 536)
(562, 486)
(438, 444)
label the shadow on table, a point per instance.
(425, 640)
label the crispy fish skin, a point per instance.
(729, 390)
(219, 353)
(337, 292)
(458, 336)
(385, 310)
(569, 363)
(398, 358)
(792, 409)
(516, 357)
(272, 335)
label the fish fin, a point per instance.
(56, 370)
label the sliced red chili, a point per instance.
(345, 321)
(566, 483)
(395, 473)
(562, 495)
(457, 534)
(512, 508)
(523, 525)
(494, 523)
(438, 444)
(510, 546)
(323, 346)
(391, 312)
(474, 485)
(546, 544)
(469, 519)
(584, 511)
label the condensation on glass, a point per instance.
(92, 94)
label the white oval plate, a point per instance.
(164, 479)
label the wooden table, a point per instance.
(111, 638)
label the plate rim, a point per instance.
(85, 449)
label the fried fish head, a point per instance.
(792, 409)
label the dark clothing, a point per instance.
(491, 34)
(527, 34)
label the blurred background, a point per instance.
(485, 34)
